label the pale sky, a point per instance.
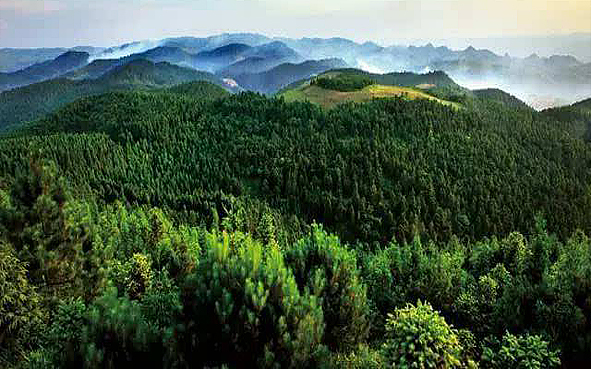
(36, 23)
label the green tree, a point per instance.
(418, 337)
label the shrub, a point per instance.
(243, 308)
(325, 268)
(20, 308)
(117, 334)
(418, 337)
(524, 352)
(363, 357)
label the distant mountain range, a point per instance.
(59, 66)
(33, 101)
(282, 75)
(263, 64)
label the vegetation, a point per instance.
(165, 229)
(329, 99)
(493, 94)
(419, 338)
(342, 82)
(34, 101)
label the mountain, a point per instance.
(254, 64)
(195, 45)
(584, 104)
(539, 81)
(230, 58)
(12, 60)
(212, 60)
(260, 59)
(437, 81)
(274, 50)
(172, 55)
(282, 75)
(42, 71)
(320, 48)
(33, 101)
(183, 227)
(500, 96)
(222, 57)
(94, 69)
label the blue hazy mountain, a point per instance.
(64, 63)
(282, 75)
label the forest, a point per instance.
(188, 227)
(343, 82)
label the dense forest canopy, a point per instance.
(187, 227)
(342, 82)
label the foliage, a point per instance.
(243, 307)
(363, 357)
(342, 82)
(161, 229)
(527, 352)
(327, 270)
(418, 337)
(20, 312)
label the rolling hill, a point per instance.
(331, 98)
(406, 85)
(33, 101)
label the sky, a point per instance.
(48, 23)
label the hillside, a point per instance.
(575, 118)
(33, 101)
(374, 86)
(583, 104)
(198, 89)
(330, 98)
(273, 80)
(501, 97)
(172, 230)
(93, 70)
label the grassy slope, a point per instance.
(330, 98)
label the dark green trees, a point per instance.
(326, 269)
(243, 308)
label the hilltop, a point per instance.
(324, 89)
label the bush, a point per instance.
(524, 352)
(325, 268)
(117, 333)
(243, 308)
(363, 357)
(418, 337)
(20, 310)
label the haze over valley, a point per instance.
(250, 60)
